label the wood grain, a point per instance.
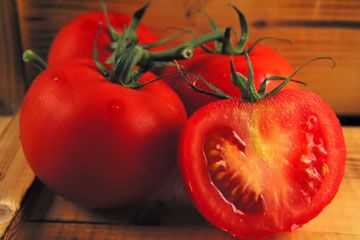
(15, 175)
(11, 71)
(53, 217)
(4, 122)
(67, 231)
(318, 28)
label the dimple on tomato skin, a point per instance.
(256, 169)
(98, 143)
(76, 39)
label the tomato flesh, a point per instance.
(254, 169)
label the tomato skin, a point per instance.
(76, 39)
(215, 69)
(287, 111)
(98, 143)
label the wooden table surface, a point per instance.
(45, 215)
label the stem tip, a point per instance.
(28, 55)
(187, 52)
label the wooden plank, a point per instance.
(330, 221)
(11, 82)
(344, 205)
(16, 176)
(53, 217)
(50, 207)
(88, 231)
(318, 28)
(4, 121)
(352, 169)
(110, 232)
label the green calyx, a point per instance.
(247, 85)
(225, 45)
(128, 53)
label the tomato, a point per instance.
(76, 39)
(214, 68)
(254, 169)
(98, 143)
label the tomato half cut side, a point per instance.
(255, 169)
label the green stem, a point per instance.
(113, 33)
(262, 89)
(30, 56)
(183, 51)
(167, 39)
(251, 48)
(247, 86)
(288, 79)
(239, 48)
(122, 72)
(227, 45)
(217, 92)
(135, 21)
(101, 67)
(161, 77)
(214, 27)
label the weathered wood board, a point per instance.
(15, 175)
(318, 28)
(49, 216)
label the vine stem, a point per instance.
(183, 51)
(30, 56)
(217, 93)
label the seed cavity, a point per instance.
(226, 172)
(313, 161)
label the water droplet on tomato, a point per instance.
(115, 107)
(196, 83)
(59, 77)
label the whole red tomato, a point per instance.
(98, 143)
(255, 169)
(76, 39)
(214, 68)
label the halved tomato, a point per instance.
(255, 169)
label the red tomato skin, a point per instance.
(76, 39)
(206, 197)
(215, 69)
(97, 143)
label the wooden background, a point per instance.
(317, 27)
